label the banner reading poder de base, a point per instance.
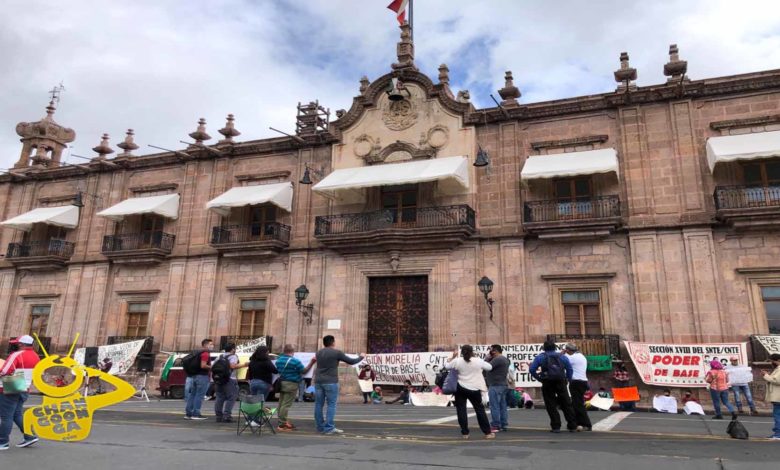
(520, 356)
(680, 365)
(394, 368)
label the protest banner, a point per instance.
(770, 342)
(250, 346)
(520, 357)
(430, 399)
(680, 365)
(393, 369)
(740, 374)
(122, 355)
(305, 357)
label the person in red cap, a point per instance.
(12, 404)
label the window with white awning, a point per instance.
(165, 206)
(451, 173)
(567, 165)
(729, 148)
(60, 216)
(278, 194)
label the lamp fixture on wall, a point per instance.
(486, 287)
(483, 159)
(307, 310)
(306, 178)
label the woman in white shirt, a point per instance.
(471, 384)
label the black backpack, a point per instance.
(441, 377)
(191, 363)
(553, 368)
(737, 430)
(220, 370)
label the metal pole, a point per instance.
(411, 17)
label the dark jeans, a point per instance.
(475, 397)
(578, 389)
(226, 398)
(366, 397)
(555, 395)
(11, 412)
(776, 416)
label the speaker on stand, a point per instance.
(144, 364)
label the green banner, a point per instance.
(599, 363)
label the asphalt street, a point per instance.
(135, 435)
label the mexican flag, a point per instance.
(167, 367)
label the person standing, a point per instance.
(471, 385)
(197, 383)
(12, 404)
(578, 385)
(326, 384)
(227, 392)
(497, 384)
(366, 373)
(738, 378)
(773, 393)
(718, 380)
(553, 370)
(623, 380)
(261, 372)
(291, 372)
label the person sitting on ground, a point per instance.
(526, 401)
(667, 392)
(603, 393)
(425, 387)
(405, 395)
(366, 373)
(376, 395)
(688, 396)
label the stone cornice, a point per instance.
(264, 176)
(586, 140)
(154, 187)
(749, 122)
(571, 276)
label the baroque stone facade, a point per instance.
(648, 245)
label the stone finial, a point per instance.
(229, 131)
(463, 96)
(510, 93)
(405, 49)
(128, 145)
(364, 84)
(625, 75)
(103, 148)
(675, 69)
(200, 134)
(444, 74)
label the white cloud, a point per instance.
(159, 66)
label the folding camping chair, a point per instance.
(253, 415)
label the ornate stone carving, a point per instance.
(400, 115)
(395, 260)
(436, 137)
(367, 148)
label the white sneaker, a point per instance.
(335, 431)
(27, 443)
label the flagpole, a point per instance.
(411, 18)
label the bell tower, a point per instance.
(43, 141)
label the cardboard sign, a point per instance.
(366, 386)
(602, 403)
(625, 394)
(693, 408)
(665, 404)
(680, 365)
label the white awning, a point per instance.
(61, 216)
(729, 148)
(559, 165)
(452, 173)
(279, 194)
(166, 206)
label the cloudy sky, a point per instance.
(157, 66)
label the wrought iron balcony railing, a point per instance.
(250, 233)
(591, 345)
(598, 207)
(746, 197)
(424, 217)
(53, 247)
(138, 241)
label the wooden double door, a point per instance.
(397, 314)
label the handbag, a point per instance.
(15, 383)
(451, 382)
(277, 386)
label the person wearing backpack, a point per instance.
(223, 373)
(197, 365)
(553, 370)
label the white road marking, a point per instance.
(608, 423)
(446, 419)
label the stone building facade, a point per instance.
(675, 242)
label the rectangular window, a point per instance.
(137, 318)
(771, 298)
(260, 221)
(252, 313)
(581, 312)
(39, 319)
(401, 203)
(574, 197)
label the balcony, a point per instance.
(417, 228)
(251, 240)
(138, 248)
(592, 345)
(40, 255)
(597, 217)
(745, 207)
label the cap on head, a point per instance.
(570, 347)
(26, 339)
